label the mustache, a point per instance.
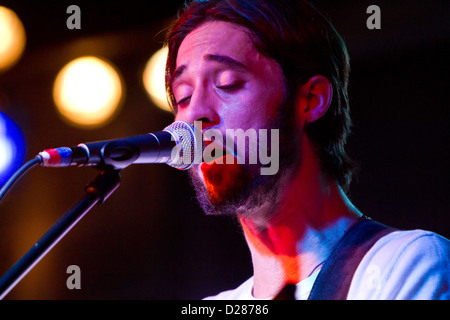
(243, 147)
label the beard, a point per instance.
(230, 189)
(233, 189)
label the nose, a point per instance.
(202, 107)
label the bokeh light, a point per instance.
(12, 147)
(154, 82)
(88, 91)
(12, 38)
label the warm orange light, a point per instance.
(12, 38)
(154, 78)
(88, 91)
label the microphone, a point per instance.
(179, 145)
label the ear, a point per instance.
(314, 99)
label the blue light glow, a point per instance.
(12, 147)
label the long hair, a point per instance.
(304, 43)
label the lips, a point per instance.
(221, 179)
(223, 176)
(216, 153)
(218, 163)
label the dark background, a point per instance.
(150, 240)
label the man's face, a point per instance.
(222, 80)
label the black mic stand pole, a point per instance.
(96, 192)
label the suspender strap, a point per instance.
(333, 280)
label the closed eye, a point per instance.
(231, 87)
(183, 100)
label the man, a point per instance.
(280, 65)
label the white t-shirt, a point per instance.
(402, 265)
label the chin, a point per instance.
(231, 189)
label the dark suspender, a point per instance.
(333, 280)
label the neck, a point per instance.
(312, 216)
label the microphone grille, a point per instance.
(188, 145)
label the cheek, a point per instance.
(271, 97)
(260, 101)
(271, 87)
(254, 108)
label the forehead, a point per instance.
(218, 37)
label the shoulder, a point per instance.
(243, 292)
(405, 265)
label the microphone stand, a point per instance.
(96, 192)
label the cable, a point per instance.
(15, 177)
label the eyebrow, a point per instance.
(225, 60)
(178, 72)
